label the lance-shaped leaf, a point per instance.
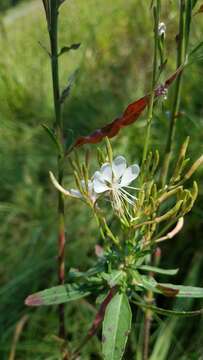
(129, 116)
(158, 270)
(53, 137)
(169, 290)
(76, 274)
(181, 290)
(166, 312)
(66, 91)
(151, 284)
(57, 295)
(101, 312)
(97, 320)
(116, 327)
(65, 49)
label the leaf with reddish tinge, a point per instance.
(180, 290)
(130, 115)
(57, 295)
(167, 291)
(101, 312)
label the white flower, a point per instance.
(73, 192)
(162, 29)
(114, 178)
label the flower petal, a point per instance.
(119, 166)
(130, 174)
(106, 172)
(99, 184)
(76, 193)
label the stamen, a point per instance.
(126, 198)
(133, 197)
(131, 187)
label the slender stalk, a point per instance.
(58, 125)
(149, 313)
(147, 326)
(154, 78)
(183, 35)
(149, 295)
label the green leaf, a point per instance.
(182, 291)
(114, 277)
(170, 290)
(166, 312)
(67, 89)
(52, 136)
(151, 284)
(65, 49)
(57, 295)
(76, 274)
(158, 270)
(116, 327)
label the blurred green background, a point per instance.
(114, 68)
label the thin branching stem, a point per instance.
(58, 125)
(149, 295)
(156, 11)
(182, 40)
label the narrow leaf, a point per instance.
(97, 320)
(159, 270)
(166, 312)
(116, 327)
(129, 116)
(101, 312)
(69, 48)
(167, 290)
(75, 274)
(151, 284)
(52, 136)
(182, 290)
(66, 91)
(57, 295)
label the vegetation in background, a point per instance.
(6, 4)
(109, 58)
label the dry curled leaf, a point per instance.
(129, 116)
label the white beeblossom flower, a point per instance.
(162, 29)
(114, 178)
(73, 192)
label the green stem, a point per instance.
(181, 57)
(149, 295)
(58, 125)
(154, 78)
